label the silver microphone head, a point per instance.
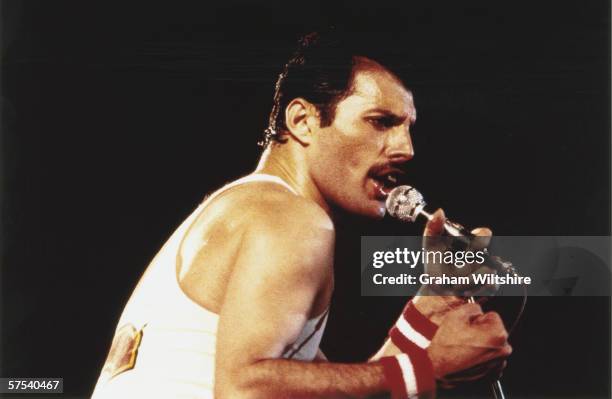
(405, 203)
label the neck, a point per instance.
(289, 163)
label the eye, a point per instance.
(382, 122)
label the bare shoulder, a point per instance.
(266, 205)
(279, 208)
(274, 219)
(255, 230)
(258, 217)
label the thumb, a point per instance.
(435, 226)
(482, 238)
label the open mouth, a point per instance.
(384, 181)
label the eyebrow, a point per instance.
(393, 115)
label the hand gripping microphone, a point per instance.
(406, 203)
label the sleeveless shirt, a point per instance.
(164, 344)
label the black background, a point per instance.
(118, 118)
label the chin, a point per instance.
(371, 209)
(361, 204)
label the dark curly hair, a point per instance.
(321, 71)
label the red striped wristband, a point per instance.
(409, 376)
(412, 327)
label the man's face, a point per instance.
(357, 159)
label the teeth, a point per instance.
(392, 179)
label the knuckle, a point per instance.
(501, 337)
(502, 334)
(494, 317)
(464, 311)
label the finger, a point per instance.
(482, 232)
(483, 239)
(498, 353)
(496, 373)
(432, 303)
(473, 375)
(435, 226)
(489, 369)
(453, 301)
(490, 318)
(468, 378)
(493, 322)
(506, 350)
(464, 313)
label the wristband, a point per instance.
(412, 328)
(409, 376)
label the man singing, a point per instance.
(235, 303)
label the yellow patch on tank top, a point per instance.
(123, 352)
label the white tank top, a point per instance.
(164, 344)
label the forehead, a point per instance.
(377, 88)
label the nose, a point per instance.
(399, 145)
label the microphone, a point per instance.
(406, 203)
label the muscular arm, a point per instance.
(282, 268)
(280, 378)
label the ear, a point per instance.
(299, 120)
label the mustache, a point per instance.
(387, 168)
